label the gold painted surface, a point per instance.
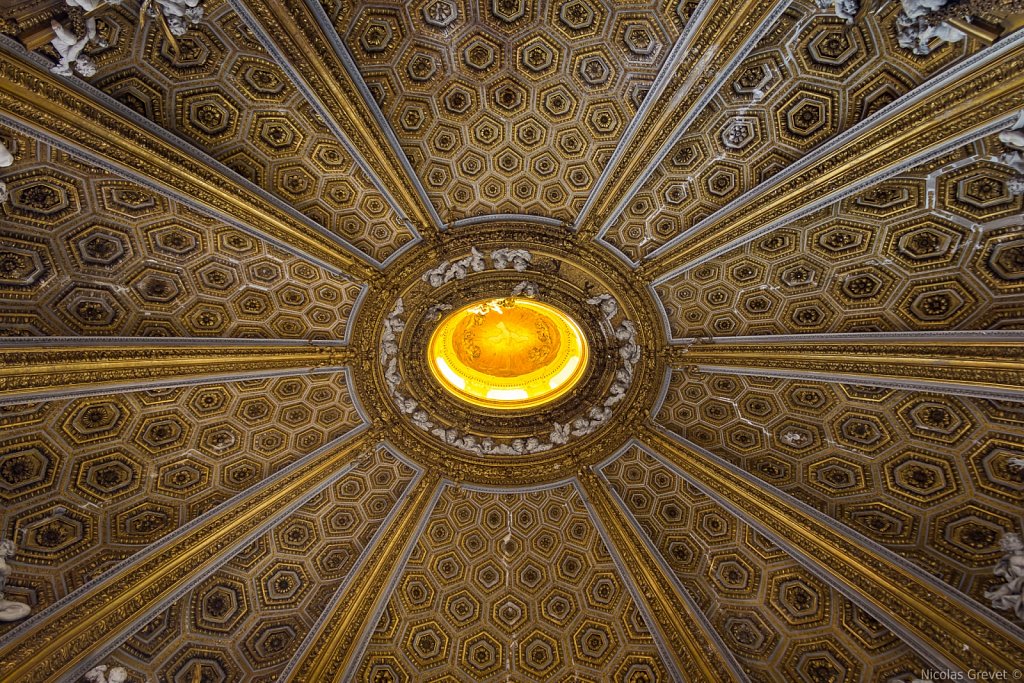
(39, 99)
(774, 616)
(528, 593)
(32, 374)
(906, 257)
(983, 93)
(111, 608)
(996, 366)
(509, 106)
(508, 354)
(933, 615)
(809, 79)
(892, 257)
(88, 482)
(248, 618)
(689, 640)
(923, 474)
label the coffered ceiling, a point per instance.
(794, 249)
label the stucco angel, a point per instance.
(6, 159)
(9, 610)
(916, 35)
(1010, 594)
(844, 9)
(69, 47)
(99, 674)
(90, 5)
(180, 14)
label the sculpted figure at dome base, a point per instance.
(844, 9)
(9, 610)
(70, 47)
(6, 159)
(1010, 595)
(98, 674)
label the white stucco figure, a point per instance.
(99, 674)
(919, 8)
(916, 35)
(526, 289)
(69, 47)
(1014, 136)
(6, 159)
(180, 14)
(9, 610)
(90, 5)
(455, 270)
(517, 259)
(1008, 595)
(606, 303)
(844, 9)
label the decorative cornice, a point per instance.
(976, 367)
(33, 373)
(332, 649)
(82, 121)
(694, 648)
(60, 639)
(717, 38)
(305, 44)
(937, 621)
(970, 100)
(507, 218)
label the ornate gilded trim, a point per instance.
(966, 102)
(937, 621)
(46, 372)
(60, 639)
(693, 647)
(307, 46)
(331, 650)
(978, 367)
(77, 119)
(713, 44)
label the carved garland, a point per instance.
(518, 259)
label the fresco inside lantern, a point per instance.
(508, 353)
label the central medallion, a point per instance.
(508, 353)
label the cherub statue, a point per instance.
(98, 674)
(1013, 139)
(919, 8)
(90, 5)
(178, 13)
(844, 9)
(69, 47)
(1008, 595)
(9, 610)
(6, 159)
(915, 34)
(517, 259)
(1014, 136)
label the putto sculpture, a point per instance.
(1013, 140)
(6, 159)
(99, 674)
(917, 28)
(9, 610)
(70, 47)
(1009, 595)
(844, 9)
(180, 15)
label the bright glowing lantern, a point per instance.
(508, 354)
